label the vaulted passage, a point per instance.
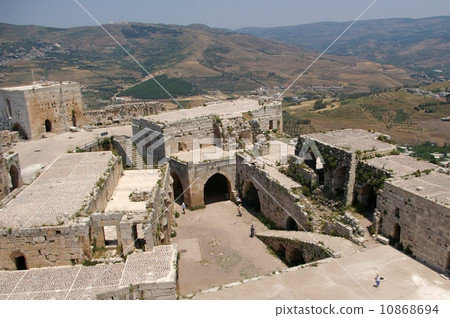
(177, 188)
(291, 225)
(251, 197)
(217, 188)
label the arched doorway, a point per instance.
(251, 197)
(15, 177)
(397, 233)
(19, 260)
(177, 188)
(339, 180)
(291, 225)
(368, 197)
(217, 188)
(48, 125)
(17, 127)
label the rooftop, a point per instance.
(58, 193)
(85, 282)
(434, 186)
(353, 140)
(232, 107)
(132, 180)
(401, 165)
(34, 86)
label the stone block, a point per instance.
(383, 240)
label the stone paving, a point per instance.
(348, 278)
(353, 140)
(58, 193)
(132, 180)
(221, 108)
(85, 282)
(434, 186)
(401, 165)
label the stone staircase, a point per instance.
(128, 151)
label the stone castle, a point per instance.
(84, 203)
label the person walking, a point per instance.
(239, 210)
(183, 207)
(252, 230)
(377, 280)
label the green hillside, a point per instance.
(151, 90)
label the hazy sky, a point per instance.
(230, 14)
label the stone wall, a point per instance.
(193, 178)
(419, 224)
(293, 251)
(339, 169)
(58, 105)
(65, 244)
(274, 198)
(122, 113)
(162, 209)
(45, 246)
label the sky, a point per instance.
(230, 14)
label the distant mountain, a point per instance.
(421, 45)
(206, 57)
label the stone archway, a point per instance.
(339, 180)
(251, 197)
(367, 196)
(15, 177)
(177, 186)
(291, 225)
(19, 260)
(48, 125)
(217, 188)
(17, 127)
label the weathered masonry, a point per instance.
(67, 213)
(415, 214)
(35, 110)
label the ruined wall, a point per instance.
(65, 244)
(162, 209)
(45, 246)
(14, 112)
(274, 198)
(269, 117)
(339, 170)
(419, 224)
(122, 113)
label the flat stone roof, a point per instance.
(434, 186)
(401, 165)
(353, 140)
(35, 86)
(85, 282)
(58, 193)
(232, 107)
(132, 180)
